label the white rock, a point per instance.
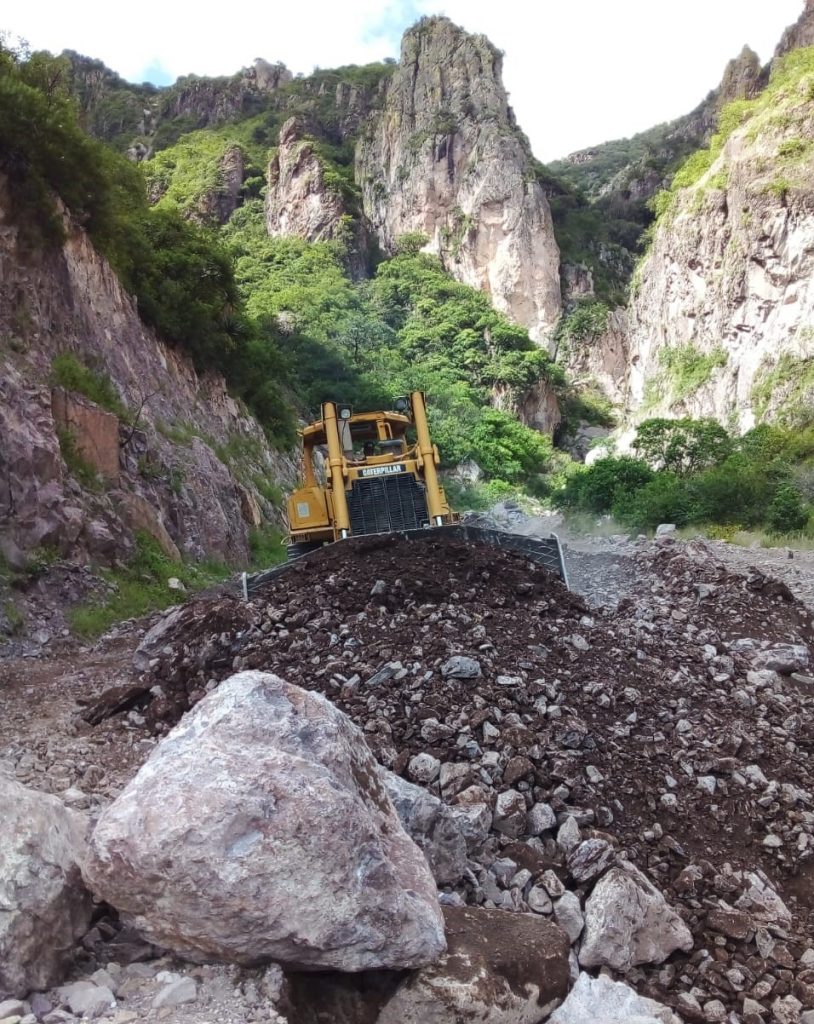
(602, 1001)
(628, 922)
(182, 990)
(424, 768)
(44, 906)
(266, 799)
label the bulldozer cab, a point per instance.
(381, 472)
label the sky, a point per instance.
(579, 72)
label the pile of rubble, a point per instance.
(633, 783)
(582, 756)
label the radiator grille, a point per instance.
(384, 504)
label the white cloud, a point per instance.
(579, 71)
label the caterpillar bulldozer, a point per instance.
(381, 477)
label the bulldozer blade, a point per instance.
(545, 551)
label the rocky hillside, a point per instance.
(720, 322)
(157, 447)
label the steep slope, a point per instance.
(720, 323)
(445, 157)
(177, 458)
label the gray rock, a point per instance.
(474, 821)
(539, 901)
(568, 835)
(461, 667)
(540, 819)
(432, 826)
(266, 798)
(590, 859)
(665, 529)
(424, 768)
(500, 969)
(568, 915)
(12, 1007)
(182, 990)
(84, 999)
(628, 922)
(782, 658)
(45, 905)
(510, 813)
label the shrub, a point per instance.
(786, 512)
(595, 488)
(737, 491)
(665, 499)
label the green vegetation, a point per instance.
(780, 106)
(181, 276)
(141, 587)
(77, 466)
(693, 473)
(687, 368)
(15, 620)
(792, 379)
(267, 547)
(68, 372)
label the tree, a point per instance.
(682, 446)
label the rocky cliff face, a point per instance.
(445, 157)
(800, 34)
(300, 201)
(720, 324)
(181, 462)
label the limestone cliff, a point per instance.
(720, 322)
(444, 157)
(800, 34)
(181, 460)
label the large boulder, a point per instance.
(433, 826)
(609, 1002)
(259, 829)
(44, 906)
(500, 968)
(628, 922)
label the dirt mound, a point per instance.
(664, 723)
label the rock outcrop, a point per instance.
(444, 157)
(800, 34)
(260, 829)
(300, 201)
(162, 467)
(44, 906)
(720, 323)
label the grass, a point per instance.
(68, 372)
(77, 466)
(15, 619)
(687, 368)
(267, 547)
(793, 379)
(141, 587)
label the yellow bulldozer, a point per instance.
(380, 472)
(382, 476)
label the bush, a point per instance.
(665, 499)
(738, 491)
(595, 488)
(786, 512)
